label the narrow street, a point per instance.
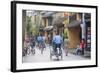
(73, 29)
(45, 57)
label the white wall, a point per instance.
(5, 35)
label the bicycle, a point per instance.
(41, 48)
(32, 49)
(57, 53)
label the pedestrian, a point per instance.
(50, 39)
(32, 41)
(66, 43)
(44, 45)
(26, 45)
(82, 45)
(78, 50)
(27, 41)
(40, 41)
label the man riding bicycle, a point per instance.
(32, 41)
(57, 41)
(32, 44)
(41, 42)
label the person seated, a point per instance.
(57, 41)
(78, 50)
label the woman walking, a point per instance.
(66, 43)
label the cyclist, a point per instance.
(57, 41)
(26, 44)
(32, 40)
(32, 43)
(40, 41)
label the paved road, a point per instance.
(45, 57)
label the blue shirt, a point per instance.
(40, 39)
(57, 39)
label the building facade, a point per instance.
(71, 25)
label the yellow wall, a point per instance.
(78, 17)
(73, 35)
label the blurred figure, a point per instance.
(41, 41)
(32, 41)
(27, 41)
(57, 41)
(66, 43)
(44, 45)
(82, 45)
(50, 39)
(78, 50)
(26, 45)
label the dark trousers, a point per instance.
(78, 51)
(57, 46)
(82, 51)
(32, 45)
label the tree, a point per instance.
(29, 25)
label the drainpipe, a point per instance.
(83, 26)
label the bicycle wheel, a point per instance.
(42, 50)
(28, 51)
(61, 56)
(50, 54)
(33, 51)
(23, 52)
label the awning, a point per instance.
(59, 21)
(47, 14)
(48, 28)
(73, 24)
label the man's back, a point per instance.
(57, 39)
(40, 39)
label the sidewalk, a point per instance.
(87, 54)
